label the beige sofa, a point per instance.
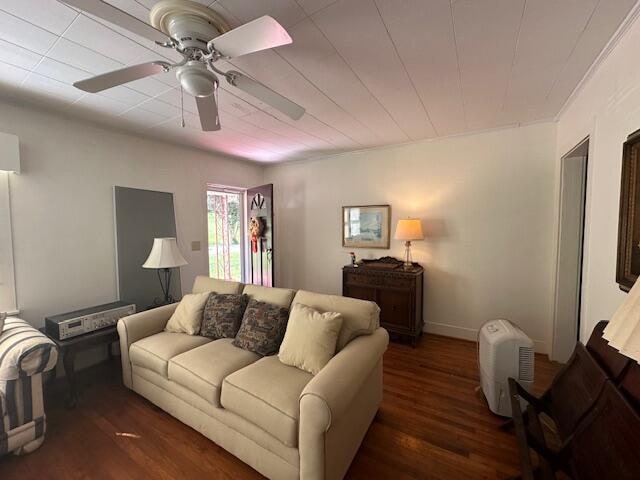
(284, 422)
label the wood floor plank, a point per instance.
(433, 424)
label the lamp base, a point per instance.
(166, 286)
(408, 265)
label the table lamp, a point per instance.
(164, 256)
(623, 330)
(408, 229)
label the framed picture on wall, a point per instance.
(366, 226)
(628, 264)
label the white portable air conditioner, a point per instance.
(503, 351)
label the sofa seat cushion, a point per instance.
(203, 369)
(267, 393)
(155, 351)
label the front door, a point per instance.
(260, 229)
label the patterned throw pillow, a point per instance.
(223, 315)
(263, 327)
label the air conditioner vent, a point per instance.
(525, 356)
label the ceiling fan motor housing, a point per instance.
(196, 79)
(193, 25)
(191, 31)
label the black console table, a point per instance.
(70, 347)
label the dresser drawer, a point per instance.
(380, 280)
(361, 292)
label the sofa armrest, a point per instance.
(24, 351)
(339, 381)
(333, 400)
(138, 326)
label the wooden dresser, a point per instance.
(398, 293)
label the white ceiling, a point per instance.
(369, 72)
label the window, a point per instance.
(7, 283)
(225, 214)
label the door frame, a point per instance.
(581, 150)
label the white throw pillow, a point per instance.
(188, 315)
(311, 338)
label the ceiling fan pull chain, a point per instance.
(215, 92)
(182, 107)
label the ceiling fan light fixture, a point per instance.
(196, 79)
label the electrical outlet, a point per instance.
(195, 246)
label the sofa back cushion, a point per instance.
(207, 284)
(359, 317)
(281, 297)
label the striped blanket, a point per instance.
(25, 354)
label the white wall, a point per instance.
(62, 205)
(606, 108)
(487, 204)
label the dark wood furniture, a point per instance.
(397, 291)
(593, 402)
(69, 348)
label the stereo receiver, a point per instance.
(72, 324)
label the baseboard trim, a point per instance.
(465, 333)
(451, 331)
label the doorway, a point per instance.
(240, 233)
(573, 189)
(225, 225)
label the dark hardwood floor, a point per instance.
(433, 424)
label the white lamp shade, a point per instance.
(164, 254)
(623, 331)
(409, 229)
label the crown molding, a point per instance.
(613, 42)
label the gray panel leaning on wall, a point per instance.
(141, 216)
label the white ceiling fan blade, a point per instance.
(265, 94)
(208, 111)
(259, 34)
(118, 77)
(123, 19)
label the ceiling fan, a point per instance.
(202, 37)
